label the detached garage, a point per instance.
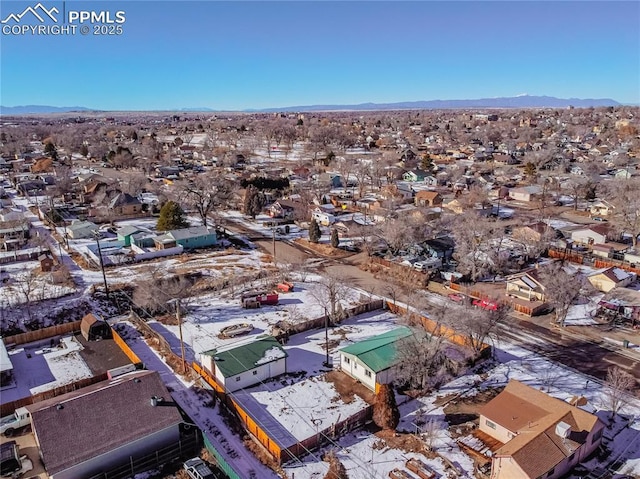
(94, 329)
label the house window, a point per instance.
(551, 471)
(255, 372)
(237, 378)
(571, 457)
(355, 365)
(367, 373)
(490, 424)
(347, 360)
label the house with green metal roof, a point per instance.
(372, 360)
(246, 363)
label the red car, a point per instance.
(485, 304)
(456, 297)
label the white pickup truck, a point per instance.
(18, 419)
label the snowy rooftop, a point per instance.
(297, 411)
(38, 367)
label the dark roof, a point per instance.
(123, 199)
(100, 418)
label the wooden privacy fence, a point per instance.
(319, 322)
(133, 357)
(9, 407)
(608, 263)
(43, 333)
(437, 329)
(579, 258)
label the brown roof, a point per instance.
(611, 275)
(427, 195)
(100, 418)
(512, 411)
(533, 416)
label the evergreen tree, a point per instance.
(427, 163)
(335, 240)
(171, 217)
(50, 150)
(530, 171)
(385, 410)
(336, 468)
(314, 231)
(253, 201)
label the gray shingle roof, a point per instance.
(100, 418)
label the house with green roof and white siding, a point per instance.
(246, 363)
(371, 361)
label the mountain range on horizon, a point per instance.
(520, 101)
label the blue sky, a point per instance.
(239, 55)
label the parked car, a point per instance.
(485, 304)
(458, 298)
(197, 469)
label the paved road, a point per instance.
(586, 354)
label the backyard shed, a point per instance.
(93, 328)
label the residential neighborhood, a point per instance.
(396, 294)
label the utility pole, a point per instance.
(326, 337)
(104, 274)
(273, 242)
(179, 318)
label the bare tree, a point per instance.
(562, 289)
(431, 431)
(471, 233)
(625, 196)
(479, 325)
(362, 172)
(328, 292)
(25, 287)
(206, 195)
(618, 385)
(133, 183)
(397, 233)
(419, 358)
(577, 188)
(155, 291)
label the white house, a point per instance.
(81, 229)
(371, 361)
(525, 193)
(322, 217)
(245, 363)
(601, 208)
(590, 235)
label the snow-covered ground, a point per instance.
(210, 313)
(40, 367)
(24, 283)
(364, 455)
